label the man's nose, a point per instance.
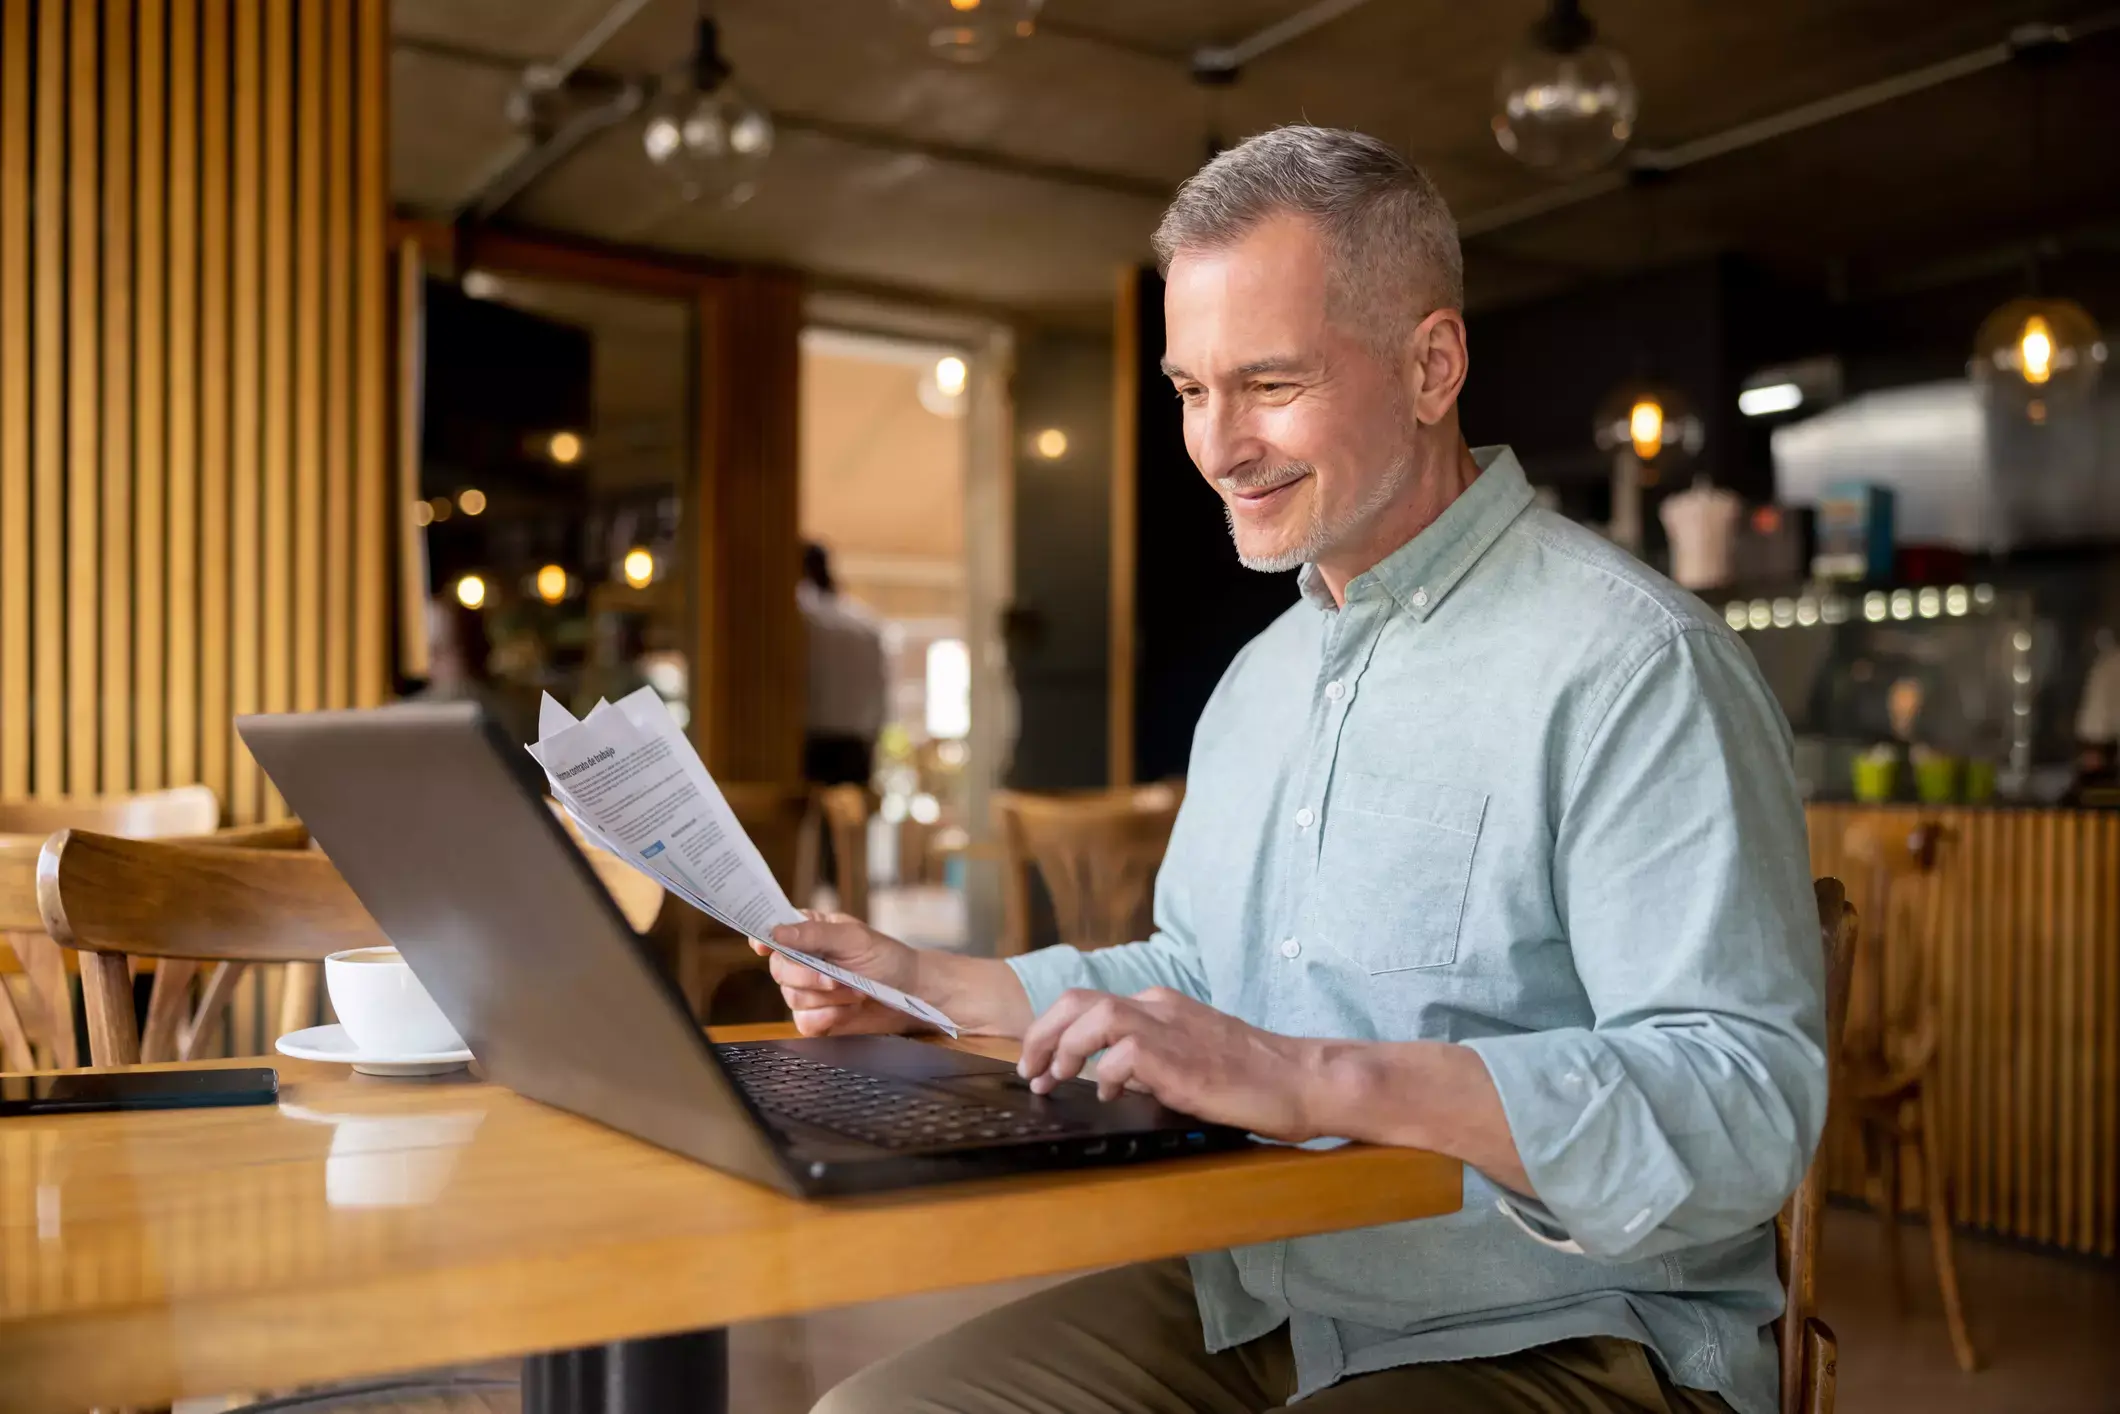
(1221, 442)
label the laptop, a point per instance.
(439, 824)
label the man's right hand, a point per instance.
(981, 995)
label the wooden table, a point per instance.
(364, 1226)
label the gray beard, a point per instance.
(1320, 536)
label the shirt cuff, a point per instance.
(1048, 972)
(1587, 1138)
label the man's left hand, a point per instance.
(1184, 1053)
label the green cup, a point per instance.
(1876, 781)
(1936, 780)
(1979, 780)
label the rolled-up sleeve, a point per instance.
(1169, 958)
(1688, 1111)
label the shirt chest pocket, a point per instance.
(1393, 870)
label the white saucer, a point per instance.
(331, 1044)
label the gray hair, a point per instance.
(1393, 241)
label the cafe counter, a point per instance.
(2022, 942)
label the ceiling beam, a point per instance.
(860, 135)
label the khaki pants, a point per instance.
(1128, 1342)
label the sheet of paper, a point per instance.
(633, 782)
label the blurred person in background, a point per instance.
(613, 669)
(849, 690)
(459, 654)
(848, 685)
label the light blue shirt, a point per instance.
(1524, 794)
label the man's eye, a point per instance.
(1191, 394)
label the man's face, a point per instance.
(1299, 424)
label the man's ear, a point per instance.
(1435, 365)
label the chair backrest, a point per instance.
(1806, 1374)
(37, 1013)
(846, 810)
(773, 814)
(154, 814)
(1098, 853)
(1893, 1026)
(183, 903)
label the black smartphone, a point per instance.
(137, 1090)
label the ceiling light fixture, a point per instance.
(941, 387)
(2037, 354)
(564, 448)
(705, 131)
(471, 591)
(471, 501)
(1052, 444)
(1768, 400)
(1563, 103)
(2034, 355)
(968, 31)
(1652, 420)
(638, 567)
(552, 583)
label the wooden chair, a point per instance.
(154, 814)
(1809, 1352)
(1889, 1060)
(37, 1021)
(777, 816)
(636, 893)
(184, 903)
(845, 812)
(1098, 853)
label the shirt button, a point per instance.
(1291, 948)
(1336, 689)
(1305, 819)
(1420, 598)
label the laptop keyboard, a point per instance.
(894, 1114)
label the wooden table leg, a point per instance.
(671, 1374)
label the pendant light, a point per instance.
(2037, 355)
(1563, 103)
(967, 31)
(1653, 420)
(705, 131)
(1645, 415)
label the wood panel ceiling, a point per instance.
(867, 186)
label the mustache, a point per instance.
(1259, 478)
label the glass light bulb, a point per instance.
(2036, 350)
(1655, 421)
(2033, 357)
(471, 591)
(638, 567)
(1645, 428)
(950, 375)
(1564, 111)
(711, 137)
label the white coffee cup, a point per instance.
(385, 1010)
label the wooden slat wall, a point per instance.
(192, 300)
(2023, 932)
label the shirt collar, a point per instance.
(1420, 573)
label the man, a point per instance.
(1490, 846)
(847, 679)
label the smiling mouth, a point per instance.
(1255, 498)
